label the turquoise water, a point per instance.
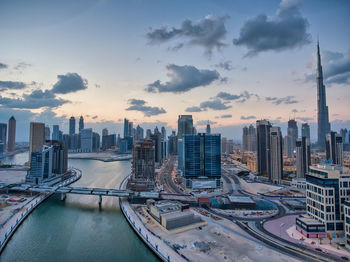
(76, 229)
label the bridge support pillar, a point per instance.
(100, 200)
(63, 196)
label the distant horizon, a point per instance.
(107, 60)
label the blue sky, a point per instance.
(96, 58)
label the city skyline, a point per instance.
(49, 81)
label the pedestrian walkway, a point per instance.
(159, 246)
(14, 222)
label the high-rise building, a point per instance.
(81, 123)
(292, 131)
(157, 138)
(126, 127)
(74, 141)
(305, 130)
(164, 150)
(223, 145)
(202, 161)
(251, 138)
(148, 133)
(172, 144)
(72, 125)
(143, 166)
(95, 142)
(208, 129)
(47, 133)
(245, 138)
(288, 146)
(344, 132)
(303, 159)
(263, 146)
(108, 141)
(1, 148)
(139, 132)
(229, 146)
(3, 134)
(104, 132)
(184, 125)
(11, 135)
(130, 129)
(59, 156)
(55, 132)
(86, 140)
(334, 148)
(156, 130)
(163, 130)
(40, 164)
(323, 125)
(276, 164)
(36, 137)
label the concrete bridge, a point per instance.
(63, 190)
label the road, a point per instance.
(257, 229)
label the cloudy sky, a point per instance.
(230, 62)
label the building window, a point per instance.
(330, 226)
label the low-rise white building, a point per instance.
(327, 189)
(299, 183)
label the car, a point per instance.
(325, 251)
(318, 249)
(345, 258)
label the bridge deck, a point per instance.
(96, 192)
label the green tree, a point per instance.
(330, 238)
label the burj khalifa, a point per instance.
(323, 126)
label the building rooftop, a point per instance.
(309, 220)
(241, 199)
(177, 214)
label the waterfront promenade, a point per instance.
(9, 228)
(157, 245)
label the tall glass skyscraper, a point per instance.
(184, 125)
(126, 127)
(276, 163)
(81, 123)
(202, 160)
(12, 135)
(305, 130)
(323, 127)
(72, 126)
(263, 146)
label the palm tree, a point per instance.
(330, 238)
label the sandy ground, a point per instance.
(226, 242)
(248, 213)
(255, 188)
(10, 176)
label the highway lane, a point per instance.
(264, 236)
